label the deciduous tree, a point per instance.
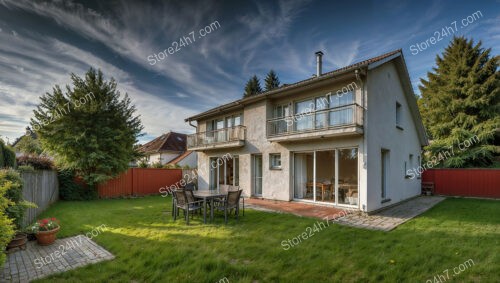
(88, 128)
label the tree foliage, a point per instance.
(461, 100)
(29, 145)
(252, 87)
(12, 184)
(7, 156)
(271, 81)
(88, 128)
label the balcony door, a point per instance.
(257, 174)
(224, 171)
(219, 132)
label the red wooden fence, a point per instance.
(139, 181)
(464, 182)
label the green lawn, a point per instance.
(150, 247)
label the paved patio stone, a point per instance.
(392, 217)
(296, 208)
(40, 261)
(385, 220)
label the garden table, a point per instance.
(208, 195)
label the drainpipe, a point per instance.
(365, 128)
(189, 122)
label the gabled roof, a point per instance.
(368, 64)
(286, 87)
(170, 141)
(180, 157)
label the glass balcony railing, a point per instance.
(314, 121)
(221, 136)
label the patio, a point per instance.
(385, 220)
(37, 261)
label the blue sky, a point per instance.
(41, 43)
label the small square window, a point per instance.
(275, 160)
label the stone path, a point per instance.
(392, 217)
(39, 261)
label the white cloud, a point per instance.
(41, 62)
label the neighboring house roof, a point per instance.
(180, 157)
(170, 141)
(368, 64)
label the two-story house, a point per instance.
(344, 138)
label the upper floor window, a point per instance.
(341, 99)
(281, 111)
(399, 115)
(226, 122)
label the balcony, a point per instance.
(222, 138)
(338, 121)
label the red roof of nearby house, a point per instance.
(180, 157)
(170, 141)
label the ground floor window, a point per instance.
(224, 170)
(327, 176)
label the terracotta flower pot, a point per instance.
(45, 238)
(19, 241)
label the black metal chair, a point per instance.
(231, 201)
(190, 187)
(183, 202)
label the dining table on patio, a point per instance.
(208, 196)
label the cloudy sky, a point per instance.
(43, 42)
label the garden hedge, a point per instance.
(6, 224)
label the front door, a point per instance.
(257, 175)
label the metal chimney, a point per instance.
(319, 63)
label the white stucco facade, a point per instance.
(378, 91)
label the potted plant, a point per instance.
(46, 230)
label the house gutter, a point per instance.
(189, 122)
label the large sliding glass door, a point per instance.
(329, 176)
(224, 171)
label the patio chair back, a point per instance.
(190, 187)
(233, 198)
(189, 196)
(180, 197)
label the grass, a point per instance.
(150, 247)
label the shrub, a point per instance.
(38, 162)
(8, 156)
(25, 168)
(11, 182)
(2, 162)
(169, 166)
(70, 189)
(157, 165)
(6, 225)
(143, 164)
